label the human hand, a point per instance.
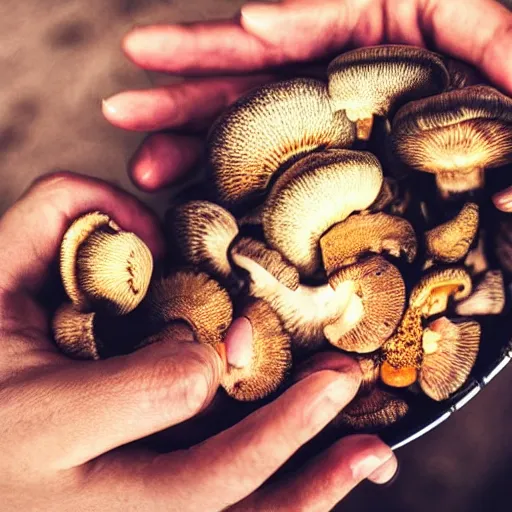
(272, 35)
(65, 423)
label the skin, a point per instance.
(65, 424)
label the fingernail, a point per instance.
(108, 107)
(259, 15)
(503, 199)
(138, 40)
(239, 343)
(124, 105)
(369, 465)
(385, 474)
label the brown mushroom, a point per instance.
(270, 358)
(348, 241)
(266, 129)
(488, 297)
(375, 308)
(461, 74)
(202, 232)
(103, 267)
(456, 136)
(450, 351)
(313, 195)
(375, 80)
(370, 370)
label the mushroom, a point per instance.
(450, 351)
(456, 136)
(476, 260)
(374, 309)
(270, 358)
(203, 231)
(103, 267)
(370, 370)
(361, 234)
(450, 242)
(376, 410)
(266, 129)
(461, 74)
(303, 310)
(432, 293)
(375, 80)
(314, 194)
(488, 297)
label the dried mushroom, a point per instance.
(359, 235)
(373, 81)
(488, 297)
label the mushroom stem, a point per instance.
(456, 182)
(364, 128)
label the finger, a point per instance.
(503, 200)
(164, 159)
(83, 410)
(228, 467)
(193, 103)
(32, 230)
(327, 479)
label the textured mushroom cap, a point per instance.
(360, 234)
(266, 128)
(74, 333)
(314, 194)
(435, 288)
(450, 241)
(370, 369)
(378, 409)
(488, 297)
(194, 298)
(377, 79)
(271, 357)
(456, 134)
(104, 267)
(448, 363)
(203, 232)
(377, 307)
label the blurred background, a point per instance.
(59, 58)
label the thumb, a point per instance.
(98, 406)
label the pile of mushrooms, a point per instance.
(315, 233)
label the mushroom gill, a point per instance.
(433, 292)
(375, 80)
(488, 297)
(450, 351)
(450, 242)
(271, 356)
(267, 128)
(456, 135)
(202, 232)
(376, 410)
(318, 191)
(103, 267)
(374, 309)
(303, 310)
(348, 241)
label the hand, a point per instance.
(271, 35)
(65, 423)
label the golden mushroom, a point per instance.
(375, 80)
(314, 194)
(375, 306)
(488, 297)
(456, 136)
(202, 232)
(348, 241)
(268, 128)
(450, 351)
(103, 267)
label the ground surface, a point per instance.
(59, 59)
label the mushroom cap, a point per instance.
(74, 333)
(377, 410)
(380, 299)
(376, 79)
(191, 297)
(265, 129)
(398, 377)
(456, 135)
(432, 293)
(314, 194)
(347, 241)
(488, 297)
(103, 267)
(203, 232)
(271, 357)
(450, 241)
(448, 361)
